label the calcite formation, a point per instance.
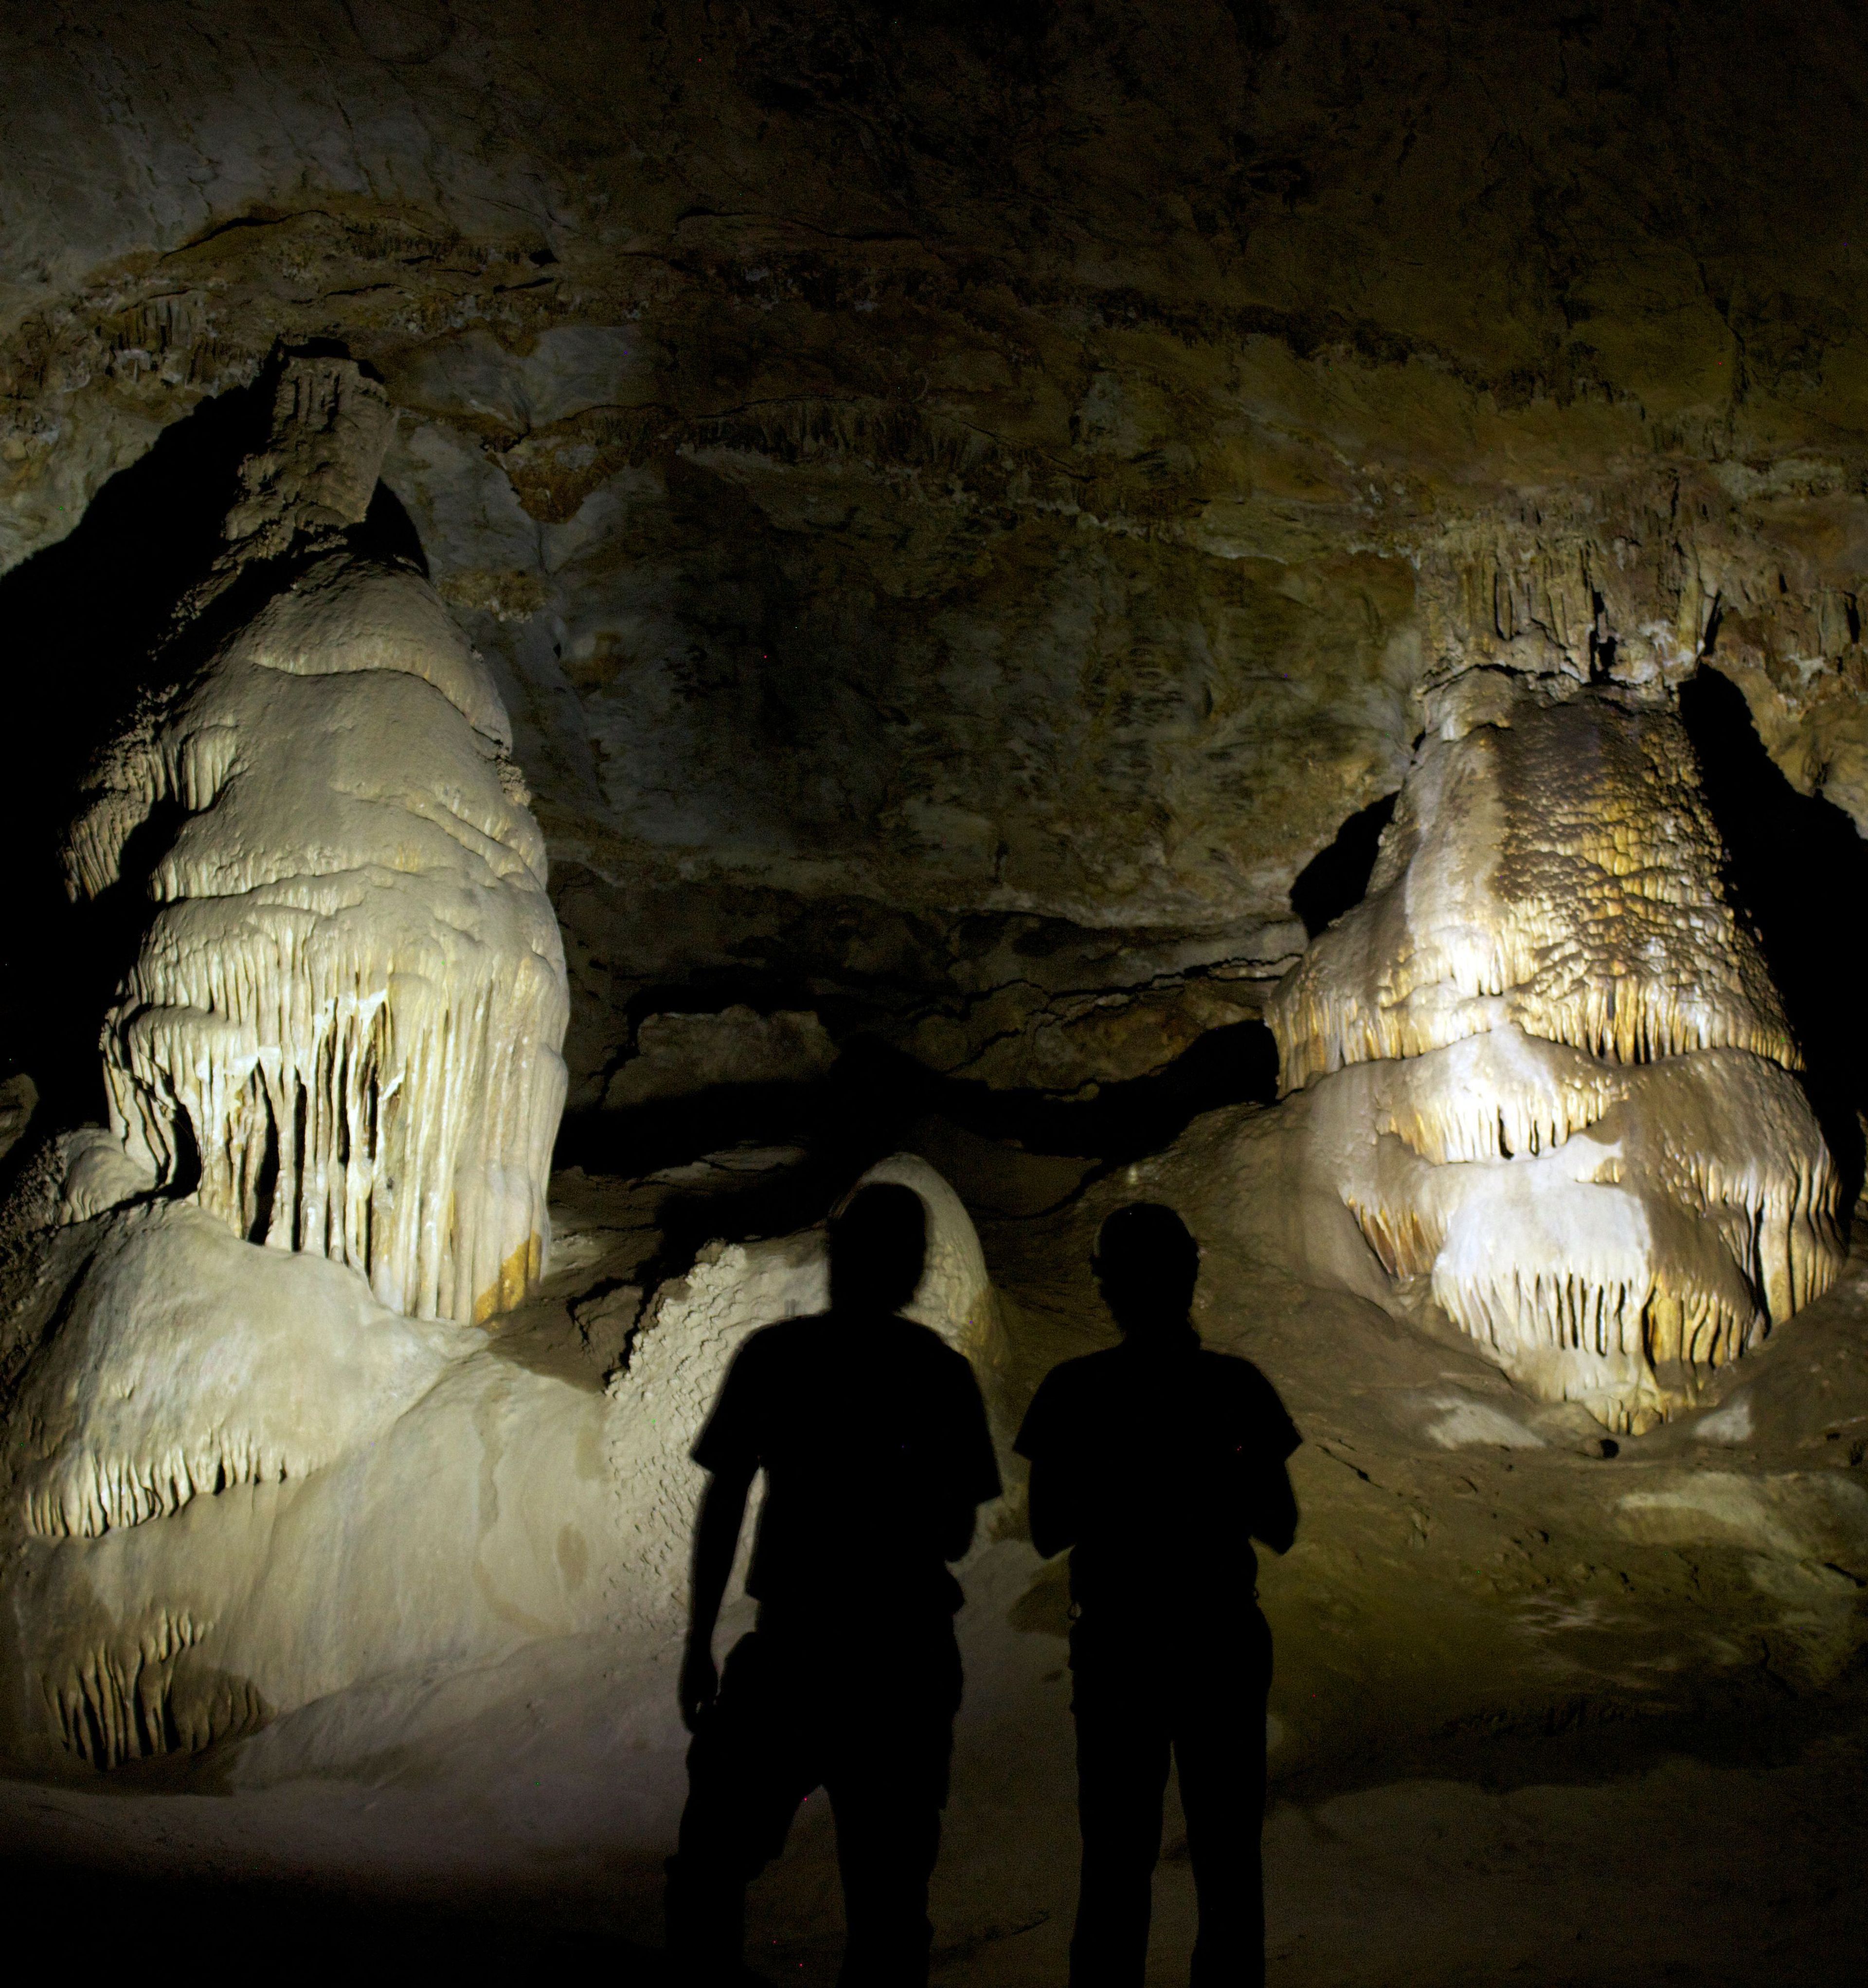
(235, 1484)
(341, 1031)
(1550, 1077)
(734, 1287)
(256, 1449)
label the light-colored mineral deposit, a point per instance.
(1552, 1078)
(342, 1029)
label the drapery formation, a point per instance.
(1551, 1075)
(341, 1029)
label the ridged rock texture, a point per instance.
(1551, 1073)
(342, 1029)
(961, 504)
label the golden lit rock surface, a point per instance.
(1552, 1077)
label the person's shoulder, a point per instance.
(784, 1338)
(1233, 1377)
(1086, 1374)
(1070, 1398)
(924, 1345)
(872, 1340)
(1228, 1370)
(1088, 1371)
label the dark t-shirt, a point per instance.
(872, 1437)
(1162, 1461)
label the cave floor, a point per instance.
(1541, 1716)
(1688, 1871)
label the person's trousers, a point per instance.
(1200, 1699)
(869, 1720)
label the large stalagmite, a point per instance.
(236, 1485)
(256, 1450)
(342, 1026)
(1550, 1075)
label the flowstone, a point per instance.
(342, 1029)
(236, 1486)
(1550, 1076)
(258, 1451)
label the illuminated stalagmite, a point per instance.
(235, 1485)
(342, 1025)
(256, 1450)
(1549, 1074)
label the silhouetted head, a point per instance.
(1147, 1265)
(878, 1249)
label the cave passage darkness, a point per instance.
(1797, 871)
(1335, 880)
(876, 1100)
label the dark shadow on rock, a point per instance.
(882, 1091)
(1336, 879)
(1797, 871)
(643, 1138)
(876, 1095)
(83, 617)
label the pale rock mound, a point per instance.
(342, 1027)
(735, 1286)
(1551, 1077)
(187, 1363)
(235, 1486)
(692, 1326)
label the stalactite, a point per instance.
(1558, 872)
(121, 1491)
(119, 1701)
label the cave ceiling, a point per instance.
(959, 501)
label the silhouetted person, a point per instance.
(873, 1441)
(1158, 1463)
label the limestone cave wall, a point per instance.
(959, 500)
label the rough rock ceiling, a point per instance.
(958, 500)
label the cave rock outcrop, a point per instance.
(342, 1027)
(235, 1486)
(1550, 1076)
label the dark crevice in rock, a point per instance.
(875, 1095)
(1797, 871)
(1337, 880)
(877, 1100)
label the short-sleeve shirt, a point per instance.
(1163, 1459)
(873, 1436)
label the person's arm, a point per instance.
(1053, 1508)
(957, 1529)
(1276, 1505)
(1270, 1437)
(973, 1470)
(1053, 1505)
(723, 1511)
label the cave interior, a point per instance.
(679, 607)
